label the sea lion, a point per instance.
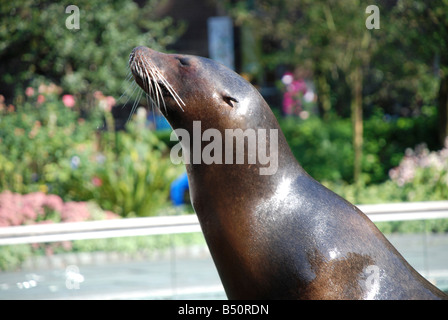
(272, 236)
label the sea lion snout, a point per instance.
(150, 70)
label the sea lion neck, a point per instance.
(223, 188)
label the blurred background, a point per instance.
(362, 98)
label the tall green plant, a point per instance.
(136, 174)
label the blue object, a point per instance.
(178, 189)
(159, 121)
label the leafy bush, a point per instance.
(35, 136)
(422, 175)
(46, 146)
(38, 207)
(325, 149)
(11, 257)
(135, 174)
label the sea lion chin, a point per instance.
(275, 236)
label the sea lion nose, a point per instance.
(140, 50)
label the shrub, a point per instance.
(45, 145)
(37, 207)
(135, 172)
(422, 174)
(325, 150)
(34, 136)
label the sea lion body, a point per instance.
(273, 236)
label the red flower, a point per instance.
(68, 100)
(97, 182)
(40, 99)
(29, 91)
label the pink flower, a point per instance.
(29, 91)
(53, 202)
(40, 99)
(97, 182)
(17, 209)
(68, 100)
(110, 215)
(110, 102)
(75, 211)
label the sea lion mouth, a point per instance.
(152, 81)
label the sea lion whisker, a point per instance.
(153, 90)
(135, 87)
(148, 100)
(128, 76)
(158, 77)
(147, 83)
(171, 90)
(157, 88)
(152, 86)
(125, 85)
(134, 106)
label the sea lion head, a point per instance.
(190, 88)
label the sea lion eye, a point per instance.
(230, 101)
(183, 61)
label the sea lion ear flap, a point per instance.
(229, 100)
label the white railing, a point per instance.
(188, 223)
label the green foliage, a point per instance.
(135, 177)
(330, 38)
(47, 147)
(414, 226)
(36, 137)
(34, 41)
(422, 175)
(324, 148)
(135, 245)
(11, 257)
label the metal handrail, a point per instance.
(99, 229)
(188, 223)
(406, 211)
